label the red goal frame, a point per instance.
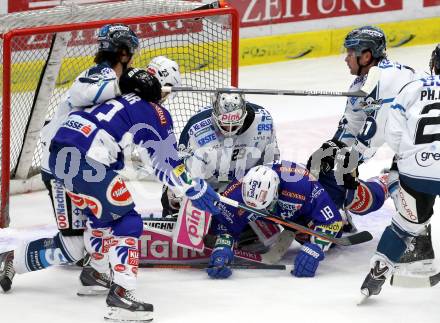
(7, 70)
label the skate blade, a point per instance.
(92, 291)
(117, 314)
(364, 297)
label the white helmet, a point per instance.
(229, 112)
(166, 71)
(260, 187)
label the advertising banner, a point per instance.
(263, 12)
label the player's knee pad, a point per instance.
(392, 243)
(70, 218)
(368, 197)
(129, 225)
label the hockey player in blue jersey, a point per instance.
(107, 79)
(284, 189)
(222, 142)
(413, 111)
(86, 153)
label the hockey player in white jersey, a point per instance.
(362, 126)
(413, 132)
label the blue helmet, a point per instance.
(113, 37)
(434, 63)
(367, 38)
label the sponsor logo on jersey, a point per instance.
(59, 200)
(264, 127)
(97, 255)
(79, 124)
(133, 257)
(297, 170)
(130, 241)
(120, 268)
(287, 206)
(77, 200)
(201, 125)
(94, 205)
(107, 243)
(179, 170)
(117, 192)
(293, 195)
(160, 114)
(231, 188)
(97, 233)
(316, 192)
(426, 158)
(207, 139)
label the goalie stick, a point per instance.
(415, 282)
(365, 90)
(350, 240)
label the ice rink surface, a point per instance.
(302, 123)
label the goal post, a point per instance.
(43, 51)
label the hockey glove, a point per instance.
(221, 257)
(323, 159)
(203, 196)
(142, 83)
(307, 260)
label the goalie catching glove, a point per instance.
(142, 83)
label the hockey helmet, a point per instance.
(434, 63)
(229, 112)
(113, 37)
(260, 187)
(367, 38)
(165, 70)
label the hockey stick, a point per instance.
(365, 90)
(212, 5)
(415, 282)
(350, 240)
(204, 266)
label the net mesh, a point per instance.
(201, 47)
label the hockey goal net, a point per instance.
(43, 51)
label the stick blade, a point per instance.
(414, 282)
(356, 238)
(372, 80)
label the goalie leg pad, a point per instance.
(43, 253)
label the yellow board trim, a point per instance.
(263, 50)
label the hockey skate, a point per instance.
(93, 282)
(374, 281)
(124, 306)
(7, 271)
(419, 258)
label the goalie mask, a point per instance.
(116, 36)
(229, 112)
(434, 63)
(260, 187)
(166, 71)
